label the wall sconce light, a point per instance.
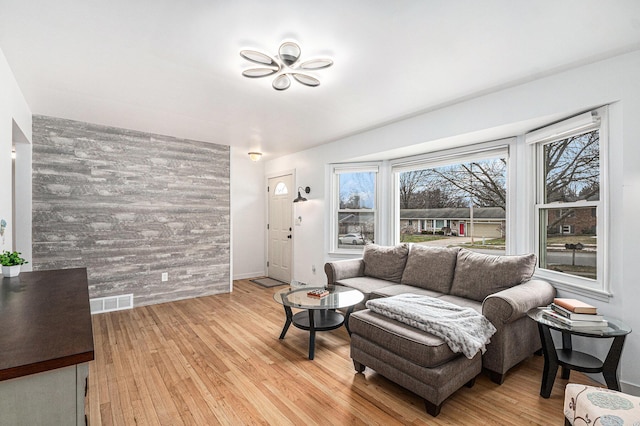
(300, 197)
(255, 156)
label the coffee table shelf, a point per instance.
(319, 314)
(322, 320)
(569, 359)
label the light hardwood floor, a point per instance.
(218, 360)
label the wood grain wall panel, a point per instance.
(129, 206)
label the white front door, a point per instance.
(281, 195)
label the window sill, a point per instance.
(574, 288)
(346, 253)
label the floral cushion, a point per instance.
(588, 405)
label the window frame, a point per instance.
(598, 288)
(346, 168)
(467, 153)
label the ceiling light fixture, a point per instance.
(284, 64)
(255, 156)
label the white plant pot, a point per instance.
(11, 271)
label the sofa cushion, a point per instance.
(365, 284)
(417, 346)
(385, 262)
(463, 302)
(395, 289)
(430, 267)
(478, 275)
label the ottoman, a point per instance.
(591, 405)
(414, 359)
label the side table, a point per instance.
(576, 360)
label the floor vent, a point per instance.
(111, 303)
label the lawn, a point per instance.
(551, 241)
(420, 238)
(490, 243)
(572, 239)
(582, 271)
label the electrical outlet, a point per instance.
(165, 276)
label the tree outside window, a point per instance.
(569, 205)
(464, 202)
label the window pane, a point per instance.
(569, 242)
(355, 229)
(572, 168)
(356, 209)
(357, 190)
(281, 189)
(461, 204)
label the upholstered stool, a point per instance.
(585, 405)
(414, 359)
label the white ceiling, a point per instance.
(172, 67)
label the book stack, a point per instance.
(318, 293)
(575, 314)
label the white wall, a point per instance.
(502, 114)
(14, 114)
(248, 198)
(490, 116)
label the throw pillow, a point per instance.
(385, 262)
(478, 275)
(430, 267)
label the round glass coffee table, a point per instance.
(570, 359)
(319, 314)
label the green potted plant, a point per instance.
(11, 262)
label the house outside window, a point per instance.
(570, 200)
(566, 230)
(354, 220)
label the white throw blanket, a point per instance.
(463, 329)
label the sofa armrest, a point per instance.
(508, 305)
(342, 269)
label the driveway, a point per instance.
(447, 241)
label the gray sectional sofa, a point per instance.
(499, 287)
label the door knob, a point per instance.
(288, 236)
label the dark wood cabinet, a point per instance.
(46, 343)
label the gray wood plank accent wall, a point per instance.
(129, 206)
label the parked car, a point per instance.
(351, 239)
